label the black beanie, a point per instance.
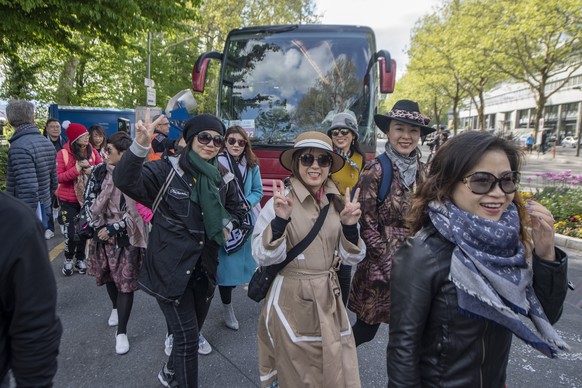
(200, 123)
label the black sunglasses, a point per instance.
(323, 160)
(233, 141)
(205, 138)
(343, 132)
(484, 182)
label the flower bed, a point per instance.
(562, 195)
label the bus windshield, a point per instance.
(277, 85)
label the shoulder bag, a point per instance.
(264, 275)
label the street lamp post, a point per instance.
(579, 124)
(579, 127)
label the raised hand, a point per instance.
(352, 212)
(145, 130)
(283, 205)
(542, 230)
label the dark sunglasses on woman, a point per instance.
(323, 160)
(484, 182)
(233, 141)
(343, 132)
(205, 138)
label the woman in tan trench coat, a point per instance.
(305, 339)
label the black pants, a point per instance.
(344, 275)
(364, 332)
(74, 245)
(184, 320)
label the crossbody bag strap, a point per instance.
(303, 244)
(163, 190)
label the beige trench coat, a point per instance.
(305, 338)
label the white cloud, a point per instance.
(391, 21)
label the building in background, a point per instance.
(510, 109)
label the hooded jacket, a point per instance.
(31, 174)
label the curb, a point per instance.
(568, 242)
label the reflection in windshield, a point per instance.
(281, 85)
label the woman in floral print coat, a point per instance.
(382, 224)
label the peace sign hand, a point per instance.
(352, 212)
(283, 204)
(145, 130)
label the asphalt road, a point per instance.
(87, 353)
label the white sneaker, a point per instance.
(204, 347)
(121, 343)
(168, 344)
(48, 234)
(113, 320)
(229, 318)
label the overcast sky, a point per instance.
(392, 21)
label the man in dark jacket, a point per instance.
(32, 171)
(30, 331)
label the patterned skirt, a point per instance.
(111, 264)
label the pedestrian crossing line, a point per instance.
(56, 251)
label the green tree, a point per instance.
(535, 41)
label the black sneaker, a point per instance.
(81, 267)
(167, 378)
(68, 268)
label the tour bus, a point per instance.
(279, 81)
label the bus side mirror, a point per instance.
(387, 75)
(199, 70)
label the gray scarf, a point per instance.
(407, 165)
(491, 273)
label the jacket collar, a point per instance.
(302, 193)
(23, 130)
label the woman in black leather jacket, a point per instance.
(195, 206)
(482, 262)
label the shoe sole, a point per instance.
(162, 381)
(203, 352)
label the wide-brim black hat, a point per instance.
(405, 111)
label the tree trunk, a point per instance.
(67, 81)
(481, 110)
(540, 104)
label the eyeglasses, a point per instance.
(232, 141)
(323, 160)
(484, 182)
(343, 132)
(205, 138)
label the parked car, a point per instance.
(569, 141)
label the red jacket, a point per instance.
(66, 174)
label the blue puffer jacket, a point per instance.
(32, 173)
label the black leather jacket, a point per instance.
(431, 344)
(177, 240)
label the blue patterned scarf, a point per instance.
(491, 274)
(347, 156)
